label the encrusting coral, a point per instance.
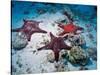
(77, 55)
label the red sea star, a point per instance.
(56, 44)
(29, 27)
(70, 28)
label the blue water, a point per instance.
(19, 7)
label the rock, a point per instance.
(61, 68)
(62, 56)
(19, 42)
(62, 63)
(50, 57)
(77, 55)
(77, 40)
(83, 68)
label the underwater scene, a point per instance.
(52, 37)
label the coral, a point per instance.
(78, 56)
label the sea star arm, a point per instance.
(19, 29)
(60, 25)
(80, 28)
(29, 37)
(49, 45)
(63, 33)
(38, 30)
(16, 30)
(56, 50)
(56, 53)
(64, 46)
(52, 36)
(44, 47)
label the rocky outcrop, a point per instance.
(20, 41)
(77, 55)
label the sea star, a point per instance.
(56, 45)
(29, 27)
(70, 28)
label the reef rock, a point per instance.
(20, 41)
(78, 56)
(50, 57)
(77, 40)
